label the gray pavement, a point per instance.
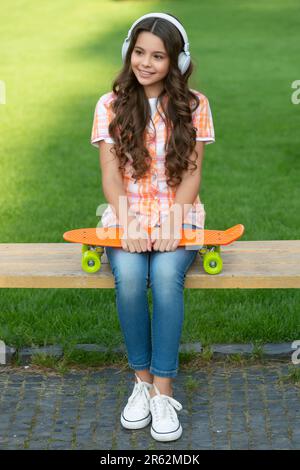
(224, 407)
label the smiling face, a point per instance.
(149, 55)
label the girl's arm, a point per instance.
(112, 184)
(189, 187)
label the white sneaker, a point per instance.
(136, 414)
(165, 423)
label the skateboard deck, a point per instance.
(207, 241)
(112, 236)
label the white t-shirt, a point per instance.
(152, 102)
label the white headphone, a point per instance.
(184, 58)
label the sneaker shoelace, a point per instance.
(139, 388)
(164, 406)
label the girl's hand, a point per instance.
(135, 239)
(167, 236)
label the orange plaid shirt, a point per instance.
(150, 198)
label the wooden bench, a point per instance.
(246, 265)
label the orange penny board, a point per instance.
(111, 236)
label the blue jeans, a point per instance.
(157, 350)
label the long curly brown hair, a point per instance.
(132, 109)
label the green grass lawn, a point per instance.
(57, 59)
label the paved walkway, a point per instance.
(224, 407)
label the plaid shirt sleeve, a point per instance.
(203, 122)
(101, 122)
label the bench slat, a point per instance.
(246, 264)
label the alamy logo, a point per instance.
(295, 98)
(296, 354)
(2, 92)
(2, 352)
(139, 231)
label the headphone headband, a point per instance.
(184, 56)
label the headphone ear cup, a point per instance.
(183, 62)
(125, 49)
